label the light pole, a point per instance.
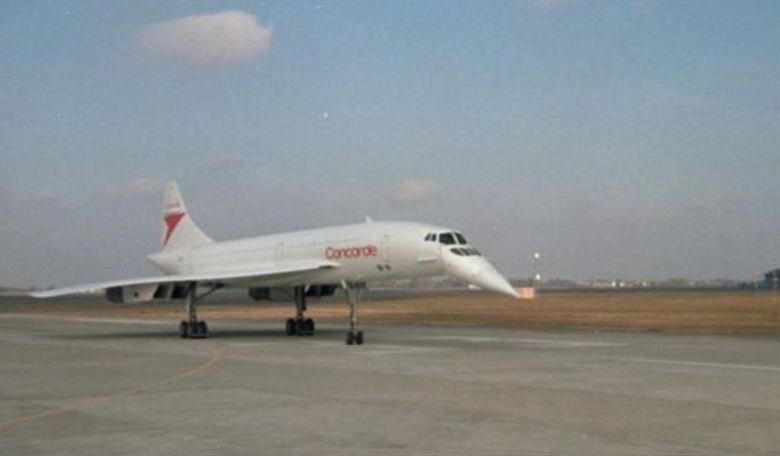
(536, 276)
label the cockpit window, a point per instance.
(446, 238)
(453, 238)
(467, 251)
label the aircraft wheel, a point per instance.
(203, 328)
(308, 326)
(289, 327)
(359, 338)
(184, 329)
(350, 338)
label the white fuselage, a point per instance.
(363, 252)
(348, 256)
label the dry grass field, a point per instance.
(716, 312)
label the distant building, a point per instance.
(772, 279)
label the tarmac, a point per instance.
(96, 386)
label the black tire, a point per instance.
(359, 338)
(350, 338)
(308, 326)
(203, 328)
(289, 327)
(184, 329)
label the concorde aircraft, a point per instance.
(296, 265)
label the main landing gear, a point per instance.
(300, 325)
(355, 292)
(193, 328)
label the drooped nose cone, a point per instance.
(477, 271)
(490, 279)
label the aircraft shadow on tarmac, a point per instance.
(159, 333)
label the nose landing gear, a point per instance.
(355, 292)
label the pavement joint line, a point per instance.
(214, 356)
(510, 340)
(83, 319)
(704, 364)
(375, 349)
(115, 320)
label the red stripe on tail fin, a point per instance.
(179, 232)
(171, 222)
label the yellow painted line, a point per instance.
(213, 359)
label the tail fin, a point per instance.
(179, 231)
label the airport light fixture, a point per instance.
(536, 256)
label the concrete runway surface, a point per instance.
(91, 386)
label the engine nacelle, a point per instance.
(271, 294)
(319, 291)
(287, 294)
(131, 293)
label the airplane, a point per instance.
(294, 265)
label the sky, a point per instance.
(620, 139)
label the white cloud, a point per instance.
(207, 41)
(416, 190)
(140, 188)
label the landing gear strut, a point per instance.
(300, 325)
(355, 292)
(192, 327)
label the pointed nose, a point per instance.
(490, 279)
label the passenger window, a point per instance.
(447, 238)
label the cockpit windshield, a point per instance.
(447, 238)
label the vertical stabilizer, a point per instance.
(179, 231)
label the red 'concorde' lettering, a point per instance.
(333, 253)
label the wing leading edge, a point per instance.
(297, 269)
